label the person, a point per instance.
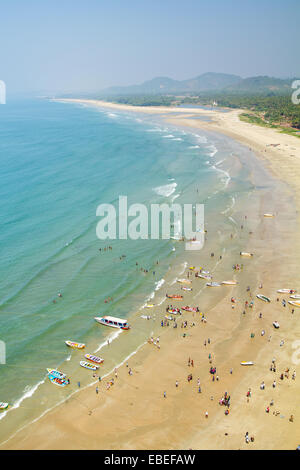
(165, 395)
(262, 386)
(176, 384)
(274, 384)
(206, 414)
(97, 390)
(78, 383)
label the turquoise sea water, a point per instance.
(58, 163)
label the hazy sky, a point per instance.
(78, 45)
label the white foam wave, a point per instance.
(165, 190)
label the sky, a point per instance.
(75, 45)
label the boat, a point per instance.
(247, 363)
(73, 344)
(189, 309)
(294, 303)
(184, 281)
(263, 297)
(245, 253)
(88, 365)
(269, 215)
(297, 296)
(175, 311)
(58, 381)
(276, 324)
(56, 373)
(93, 358)
(114, 322)
(213, 284)
(175, 297)
(286, 291)
(168, 317)
(3, 406)
(149, 305)
(207, 277)
(187, 288)
(230, 283)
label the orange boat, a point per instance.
(175, 297)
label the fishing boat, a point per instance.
(114, 322)
(187, 288)
(247, 363)
(73, 344)
(93, 358)
(58, 381)
(207, 277)
(294, 303)
(263, 297)
(88, 365)
(276, 324)
(174, 296)
(297, 296)
(245, 253)
(184, 281)
(56, 373)
(189, 309)
(229, 283)
(175, 311)
(3, 406)
(269, 215)
(286, 291)
(213, 284)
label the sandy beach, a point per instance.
(156, 407)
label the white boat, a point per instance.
(294, 303)
(269, 215)
(245, 253)
(184, 281)
(297, 296)
(247, 363)
(213, 284)
(114, 322)
(88, 365)
(229, 283)
(3, 406)
(187, 288)
(263, 297)
(207, 277)
(286, 291)
(276, 324)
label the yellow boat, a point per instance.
(295, 303)
(74, 345)
(269, 215)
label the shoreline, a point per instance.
(144, 365)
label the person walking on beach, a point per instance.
(165, 395)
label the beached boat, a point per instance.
(295, 303)
(58, 381)
(276, 324)
(286, 291)
(245, 253)
(149, 305)
(296, 296)
(56, 373)
(263, 297)
(96, 359)
(187, 288)
(114, 322)
(207, 277)
(269, 215)
(73, 344)
(174, 297)
(230, 283)
(213, 284)
(247, 363)
(88, 365)
(189, 309)
(175, 311)
(3, 406)
(184, 281)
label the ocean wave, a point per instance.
(212, 150)
(111, 337)
(165, 190)
(169, 136)
(28, 392)
(158, 284)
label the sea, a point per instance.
(59, 162)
